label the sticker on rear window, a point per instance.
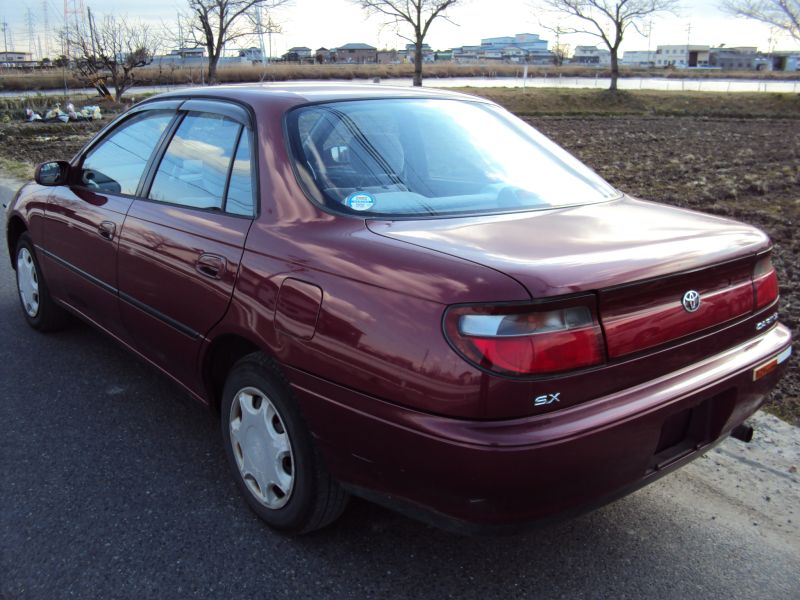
(360, 201)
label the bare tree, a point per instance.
(419, 14)
(609, 20)
(560, 49)
(111, 51)
(560, 53)
(211, 24)
(781, 14)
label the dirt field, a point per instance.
(745, 169)
(748, 169)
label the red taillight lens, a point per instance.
(526, 339)
(765, 282)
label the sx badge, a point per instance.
(546, 399)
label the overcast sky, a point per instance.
(332, 23)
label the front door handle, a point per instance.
(107, 229)
(211, 265)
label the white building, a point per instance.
(639, 58)
(591, 55)
(519, 48)
(12, 59)
(682, 56)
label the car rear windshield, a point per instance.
(433, 157)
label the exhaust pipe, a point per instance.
(743, 433)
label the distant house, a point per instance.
(300, 51)
(323, 55)
(181, 57)
(682, 56)
(591, 55)
(252, 54)
(188, 52)
(357, 53)
(466, 54)
(17, 60)
(427, 53)
(390, 57)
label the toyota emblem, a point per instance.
(691, 301)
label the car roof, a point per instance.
(305, 92)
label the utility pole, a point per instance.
(46, 30)
(180, 34)
(272, 27)
(260, 29)
(91, 30)
(31, 35)
(5, 36)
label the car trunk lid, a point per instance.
(639, 258)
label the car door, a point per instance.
(83, 220)
(181, 246)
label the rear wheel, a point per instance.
(270, 449)
(40, 310)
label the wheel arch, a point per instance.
(223, 352)
(14, 230)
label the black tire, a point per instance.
(48, 315)
(315, 499)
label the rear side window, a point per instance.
(195, 167)
(116, 164)
(239, 200)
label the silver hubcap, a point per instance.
(262, 447)
(28, 282)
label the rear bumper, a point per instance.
(494, 473)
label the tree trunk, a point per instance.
(418, 62)
(614, 70)
(212, 69)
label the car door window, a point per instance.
(195, 167)
(239, 200)
(116, 164)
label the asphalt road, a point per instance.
(114, 485)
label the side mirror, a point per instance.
(52, 173)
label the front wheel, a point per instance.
(270, 449)
(40, 310)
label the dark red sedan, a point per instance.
(403, 294)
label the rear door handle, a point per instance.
(107, 229)
(211, 265)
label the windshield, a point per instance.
(432, 157)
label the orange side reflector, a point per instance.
(768, 367)
(765, 369)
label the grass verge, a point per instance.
(554, 102)
(16, 169)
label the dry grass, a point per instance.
(170, 75)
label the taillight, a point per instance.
(527, 339)
(765, 282)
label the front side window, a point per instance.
(432, 157)
(194, 169)
(116, 164)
